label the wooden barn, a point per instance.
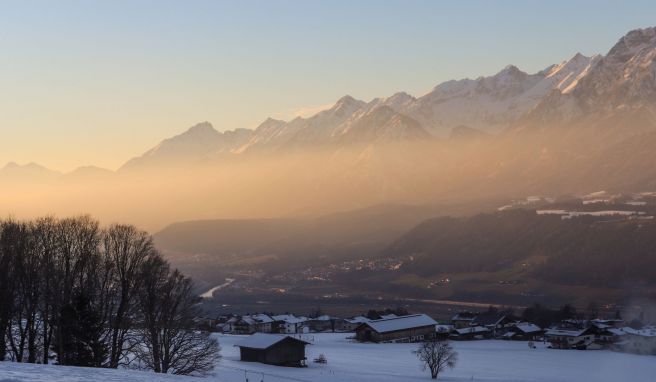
(273, 349)
(412, 328)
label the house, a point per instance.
(322, 323)
(350, 324)
(273, 349)
(463, 319)
(290, 324)
(263, 323)
(243, 325)
(638, 341)
(497, 322)
(442, 331)
(470, 333)
(605, 333)
(570, 338)
(411, 328)
(523, 331)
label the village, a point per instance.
(281, 339)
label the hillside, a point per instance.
(586, 250)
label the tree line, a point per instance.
(74, 293)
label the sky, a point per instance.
(98, 82)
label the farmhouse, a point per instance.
(470, 333)
(463, 319)
(523, 331)
(411, 328)
(497, 322)
(273, 349)
(570, 338)
(322, 323)
(290, 324)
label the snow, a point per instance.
(356, 362)
(400, 323)
(495, 360)
(23, 372)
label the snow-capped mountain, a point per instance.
(199, 142)
(623, 81)
(580, 87)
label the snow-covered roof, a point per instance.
(401, 323)
(289, 318)
(388, 316)
(527, 327)
(473, 329)
(357, 320)
(249, 320)
(566, 332)
(442, 328)
(324, 317)
(262, 318)
(644, 332)
(264, 341)
(616, 331)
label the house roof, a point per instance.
(527, 327)
(400, 323)
(289, 318)
(562, 332)
(357, 320)
(386, 316)
(488, 318)
(616, 332)
(262, 318)
(464, 316)
(644, 332)
(265, 341)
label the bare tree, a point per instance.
(171, 344)
(126, 248)
(436, 355)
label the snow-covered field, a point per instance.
(354, 362)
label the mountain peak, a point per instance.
(632, 43)
(202, 128)
(345, 102)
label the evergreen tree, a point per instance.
(80, 335)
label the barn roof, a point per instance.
(401, 323)
(265, 341)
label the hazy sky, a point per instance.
(97, 82)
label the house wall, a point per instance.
(365, 333)
(284, 353)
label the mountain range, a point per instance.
(583, 125)
(607, 88)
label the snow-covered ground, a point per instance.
(354, 362)
(477, 360)
(23, 372)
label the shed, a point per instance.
(272, 349)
